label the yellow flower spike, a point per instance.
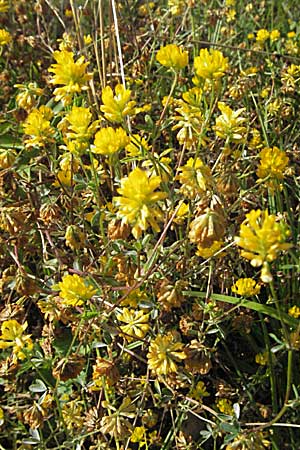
(117, 107)
(69, 73)
(137, 204)
(246, 287)
(12, 336)
(136, 321)
(163, 354)
(74, 291)
(210, 65)
(229, 124)
(261, 240)
(109, 141)
(173, 57)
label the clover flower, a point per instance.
(195, 178)
(71, 74)
(74, 291)
(5, 37)
(262, 35)
(199, 391)
(273, 163)
(225, 406)
(262, 238)
(38, 127)
(246, 287)
(117, 107)
(229, 124)
(210, 65)
(4, 6)
(173, 57)
(137, 146)
(189, 118)
(12, 336)
(80, 129)
(109, 141)
(136, 322)
(294, 311)
(26, 98)
(163, 354)
(137, 204)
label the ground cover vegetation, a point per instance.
(149, 224)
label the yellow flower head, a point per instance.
(38, 127)
(74, 291)
(225, 406)
(163, 354)
(172, 56)
(294, 311)
(229, 124)
(262, 239)
(273, 163)
(137, 204)
(138, 435)
(136, 322)
(5, 37)
(109, 141)
(199, 391)
(262, 358)
(117, 107)
(210, 65)
(138, 145)
(4, 6)
(208, 252)
(274, 35)
(12, 336)
(246, 287)
(262, 35)
(195, 178)
(71, 74)
(80, 129)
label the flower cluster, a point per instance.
(262, 237)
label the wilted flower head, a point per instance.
(71, 74)
(109, 141)
(163, 354)
(173, 57)
(262, 238)
(195, 177)
(136, 322)
(74, 291)
(137, 204)
(246, 287)
(117, 107)
(210, 64)
(229, 124)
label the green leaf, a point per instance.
(262, 309)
